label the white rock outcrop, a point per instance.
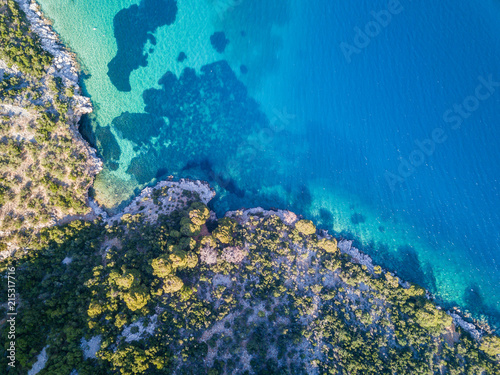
(173, 197)
(41, 360)
(466, 326)
(90, 347)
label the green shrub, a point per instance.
(491, 345)
(224, 231)
(136, 298)
(330, 246)
(305, 227)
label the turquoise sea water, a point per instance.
(379, 120)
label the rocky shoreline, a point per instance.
(358, 257)
(171, 195)
(66, 67)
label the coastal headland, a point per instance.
(165, 286)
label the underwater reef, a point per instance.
(133, 27)
(203, 110)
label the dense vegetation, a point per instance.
(18, 45)
(44, 172)
(244, 294)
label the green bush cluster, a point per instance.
(305, 227)
(224, 231)
(491, 345)
(195, 217)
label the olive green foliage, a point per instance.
(136, 298)
(491, 345)
(198, 213)
(18, 45)
(196, 216)
(305, 227)
(161, 267)
(172, 284)
(54, 300)
(330, 246)
(432, 319)
(224, 231)
(304, 304)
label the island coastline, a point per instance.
(66, 67)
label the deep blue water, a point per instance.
(394, 93)
(388, 139)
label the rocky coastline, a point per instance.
(167, 196)
(66, 67)
(467, 323)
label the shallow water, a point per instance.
(289, 115)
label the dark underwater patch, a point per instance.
(357, 219)
(326, 218)
(223, 182)
(161, 172)
(85, 129)
(211, 107)
(209, 116)
(139, 127)
(182, 56)
(102, 139)
(219, 41)
(302, 198)
(108, 146)
(144, 167)
(133, 27)
(474, 298)
(410, 268)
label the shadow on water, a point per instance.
(227, 184)
(102, 139)
(325, 218)
(358, 218)
(474, 299)
(219, 41)
(150, 126)
(133, 27)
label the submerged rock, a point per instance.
(219, 41)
